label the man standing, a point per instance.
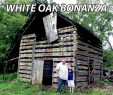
(62, 72)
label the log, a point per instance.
(25, 64)
(54, 45)
(60, 49)
(65, 35)
(54, 69)
(26, 51)
(96, 76)
(25, 55)
(67, 39)
(82, 67)
(24, 71)
(25, 60)
(55, 80)
(43, 58)
(96, 79)
(69, 30)
(81, 62)
(97, 60)
(12, 59)
(82, 73)
(25, 80)
(26, 44)
(82, 79)
(83, 53)
(86, 48)
(86, 44)
(25, 67)
(55, 75)
(26, 47)
(60, 59)
(52, 54)
(63, 54)
(98, 71)
(79, 57)
(65, 28)
(27, 40)
(98, 67)
(24, 76)
(78, 52)
(100, 57)
(28, 36)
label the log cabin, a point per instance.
(45, 39)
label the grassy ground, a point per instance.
(13, 86)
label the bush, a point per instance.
(10, 77)
(105, 80)
(100, 82)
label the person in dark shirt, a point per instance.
(71, 78)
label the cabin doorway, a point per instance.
(47, 72)
(91, 64)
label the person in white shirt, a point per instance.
(62, 73)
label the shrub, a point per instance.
(100, 82)
(105, 80)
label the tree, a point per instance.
(108, 58)
(10, 25)
(100, 23)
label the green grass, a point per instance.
(100, 82)
(13, 86)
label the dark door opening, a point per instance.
(91, 69)
(47, 73)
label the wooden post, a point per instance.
(76, 75)
(33, 53)
(88, 71)
(100, 71)
(94, 71)
(5, 70)
(6, 66)
(18, 60)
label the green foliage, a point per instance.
(15, 87)
(100, 82)
(105, 80)
(9, 77)
(108, 58)
(100, 23)
(10, 24)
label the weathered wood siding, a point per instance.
(69, 46)
(85, 52)
(25, 57)
(64, 47)
(37, 71)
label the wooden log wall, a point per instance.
(86, 52)
(62, 48)
(69, 46)
(25, 57)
